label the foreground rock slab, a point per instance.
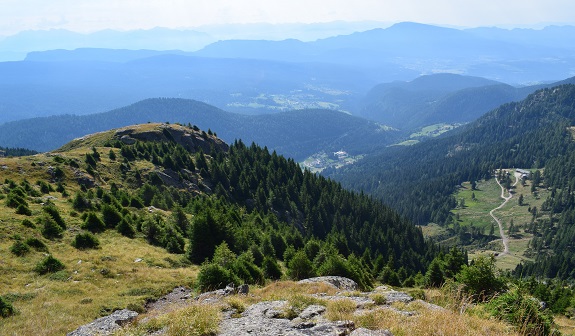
(106, 325)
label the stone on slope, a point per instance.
(105, 325)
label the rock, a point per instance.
(264, 318)
(398, 297)
(336, 281)
(230, 289)
(243, 289)
(311, 312)
(106, 325)
(367, 332)
(127, 140)
(430, 306)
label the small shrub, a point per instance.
(51, 229)
(137, 307)
(53, 212)
(49, 265)
(28, 223)
(85, 241)
(522, 311)
(271, 268)
(36, 244)
(93, 223)
(126, 229)
(20, 248)
(59, 276)
(23, 209)
(6, 308)
(213, 276)
(300, 267)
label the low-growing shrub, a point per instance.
(36, 244)
(522, 311)
(23, 209)
(28, 223)
(85, 241)
(213, 276)
(93, 223)
(19, 248)
(6, 308)
(50, 229)
(49, 265)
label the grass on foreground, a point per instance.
(460, 318)
(94, 283)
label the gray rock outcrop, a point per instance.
(106, 325)
(336, 281)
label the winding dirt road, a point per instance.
(506, 199)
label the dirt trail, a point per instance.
(506, 199)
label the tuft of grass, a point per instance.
(340, 310)
(194, 320)
(432, 322)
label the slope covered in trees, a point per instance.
(296, 134)
(419, 181)
(440, 98)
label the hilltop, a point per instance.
(119, 217)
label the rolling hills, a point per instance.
(296, 134)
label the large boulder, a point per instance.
(336, 281)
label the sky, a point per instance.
(93, 15)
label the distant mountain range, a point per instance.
(264, 76)
(296, 134)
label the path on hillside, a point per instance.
(506, 199)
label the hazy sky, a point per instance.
(92, 15)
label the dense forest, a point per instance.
(4, 151)
(419, 181)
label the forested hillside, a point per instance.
(295, 134)
(440, 98)
(176, 196)
(419, 181)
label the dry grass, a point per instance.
(432, 323)
(340, 310)
(193, 320)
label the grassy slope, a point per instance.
(95, 281)
(487, 197)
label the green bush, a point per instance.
(23, 209)
(36, 244)
(19, 248)
(28, 223)
(93, 223)
(522, 311)
(49, 265)
(126, 229)
(6, 308)
(50, 229)
(85, 241)
(213, 276)
(299, 267)
(480, 278)
(110, 216)
(53, 212)
(271, 268)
